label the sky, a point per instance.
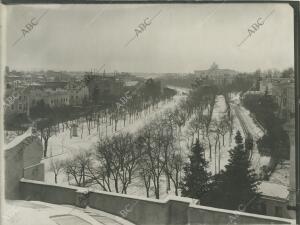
(180, 39)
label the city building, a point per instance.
(53, 98)
(218, 76)
(104, 89)
(265, 86)
(78, 93)
(274, 199)
(283, 91)
(17, 100)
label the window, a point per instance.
(278, 211)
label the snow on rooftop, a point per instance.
(281, 175)
(130, 83)
(18, 139)
(273, 190)
(19, 212)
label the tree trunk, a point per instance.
(46, 147)
(176, 185)
(168, 182)
(209, 144)
(116, 185)
(216, 144)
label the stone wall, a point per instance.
(209, 215)
(22, 160)
(271, 203)
(141, 211)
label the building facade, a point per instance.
(284, 95)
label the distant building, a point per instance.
(274, 199)
(55, 84)
(283, 90)
(78, 93)
(17, 100)
(104, 89)
(218, 76)
(55, 94)
(53, 98)
(265, 86)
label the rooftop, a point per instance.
(275, 190)
(20, 212)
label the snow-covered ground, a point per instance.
(10, 136)
(255, 130)
(18, 139)
(18, 212)
(218, 111)
(273, 189)
(281, 174)
(61, 146)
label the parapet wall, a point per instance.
(141, 211)
(22, 160)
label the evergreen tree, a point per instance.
(237, 185)
(239, 182)
(196, 181)
(249, 144)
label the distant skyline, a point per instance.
(180, 39)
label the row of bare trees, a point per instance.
(91, 117)
(153, 155)
(122, 159)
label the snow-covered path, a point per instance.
(254, 130)
(216, 162)
(19, 212)
(61, 146)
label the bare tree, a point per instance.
(175, 166)
(77, 167)
(224, 127)
(89, 120)
(151, 135)
(105, 156)
(207, 121)
(179, 118)
(127, 156)
(198, 123)
(145, 174)
(215, 128)
(46, 134)
(56, 167)
(99, 174)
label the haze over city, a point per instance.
(181, 39)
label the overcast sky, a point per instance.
(182, 38)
